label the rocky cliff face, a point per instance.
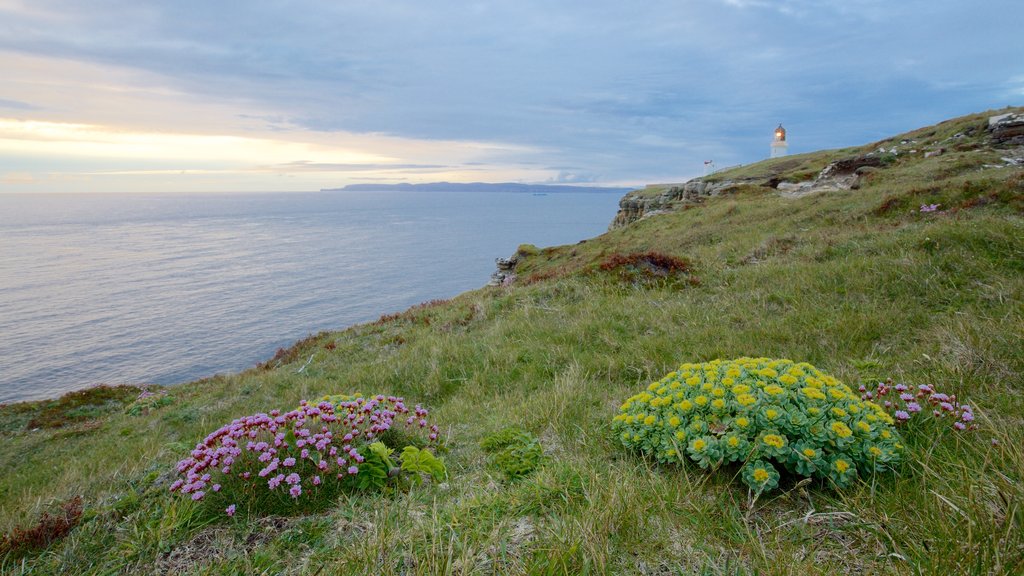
(829, 171)
(652, 200)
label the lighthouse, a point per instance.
(779, 144)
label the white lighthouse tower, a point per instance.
(779, 145)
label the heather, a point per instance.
(860, 284)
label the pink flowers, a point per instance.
(302, 443)
(908, 402)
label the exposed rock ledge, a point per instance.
(647, 202)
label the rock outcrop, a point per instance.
(640, 204)
(505, 274)
(1007, 129)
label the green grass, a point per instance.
(858, 283)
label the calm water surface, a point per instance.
(168, 288)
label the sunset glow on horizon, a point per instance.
(153, 96)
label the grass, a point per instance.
(859, 283)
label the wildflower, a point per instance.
(230, 510)
(353, 469)
(295, 491)
(760, 476)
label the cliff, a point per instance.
(973, 142)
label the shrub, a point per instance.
(766, 415)
(49, 528)
(302, 459)
(649, 267)
(514, 452)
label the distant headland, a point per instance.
(478, 187)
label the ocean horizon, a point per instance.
(169, 288)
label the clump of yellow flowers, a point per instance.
(767, 415)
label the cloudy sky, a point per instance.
(200, 95)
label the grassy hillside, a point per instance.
(860, 283)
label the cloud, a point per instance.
(306, 166)
(624, 91)
(17, 178)
(16, 105)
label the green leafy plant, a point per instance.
(765, 415)
(514, 451)
(419, 463)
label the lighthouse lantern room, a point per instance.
(779, 145)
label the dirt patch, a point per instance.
(219, 543)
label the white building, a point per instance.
(779, 145)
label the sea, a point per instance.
(169, 288)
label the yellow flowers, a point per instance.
(813, 393)
(841, 430)
(746, 399)
(769, 417)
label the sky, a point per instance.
(199, 95)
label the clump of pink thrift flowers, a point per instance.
(295, 454)
(903, 401)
